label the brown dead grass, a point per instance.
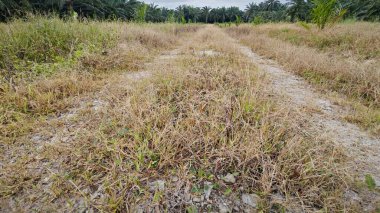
(351, 76)
(24, 100)
(357, 40)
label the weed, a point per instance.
(371, 184)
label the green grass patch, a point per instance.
(42, 46)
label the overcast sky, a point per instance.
(200, 3)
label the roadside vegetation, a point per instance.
(46, 62)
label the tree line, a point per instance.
(134, 10)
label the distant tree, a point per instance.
(171, 17)
(367, 10)
(238, 20)
(206, 13)
(251, 10)
(299, 10)
(141, 13)
(268, 10)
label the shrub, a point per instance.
(258, 20)
(238, 21)
(36, 46)
(325, 11)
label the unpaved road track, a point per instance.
(325, 119)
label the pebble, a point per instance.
(207, 189)
(157, 185)
(175, 178)
(197, 199)
(223, 208)
(250, 199)
(229, 178)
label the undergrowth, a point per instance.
(46, 62)
(42, 46)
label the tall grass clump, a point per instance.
(42, 45)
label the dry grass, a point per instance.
(196, 119)
(355, 75)
(29, 95)
(357, 40)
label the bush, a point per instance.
(325, 11)
(36, 46)
(258, 20)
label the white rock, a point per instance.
(175, 178)
(229, 178)
(207, 189)
(250, 199)
(197, 199)
(223, 208)
(157, 185)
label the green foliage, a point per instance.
(326, 11)
(171, 18)
(299, 10)
(304, 25)
(141, 13)
(40, 45)
(183, 20)
(371, 184)
(258, 20)
(269, 10)
(367, 10)
(238, 21)
(192, 209)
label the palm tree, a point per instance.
(272, 5)
(299, 9)
(206, 11)
(251, 10)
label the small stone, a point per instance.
(157, 185)
(197, 199)
(229, 178)
(352, 197)
(223, 208)
(139, 210)
(187, 197)
(236, 209)
(45, 180)
(207, 189)
(250, 199)
(65, 139)
(377, 182)
(175, 178)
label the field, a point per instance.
(126, 117)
